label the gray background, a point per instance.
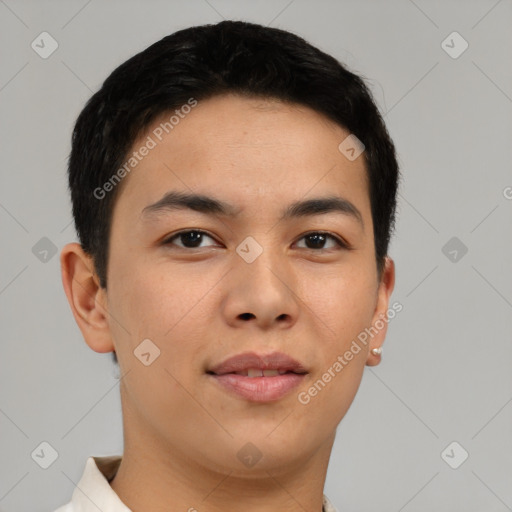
(446, 369)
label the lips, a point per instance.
(254, 365)
(259, 378)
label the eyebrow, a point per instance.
(175, 200)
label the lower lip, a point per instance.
(260, 389)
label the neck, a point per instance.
(158, 477)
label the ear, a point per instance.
(380, 317)
(87, 299)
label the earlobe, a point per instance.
(380, 318)
(86, 298)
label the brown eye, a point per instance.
(316, 240)
(189, 239)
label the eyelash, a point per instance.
(341, 244)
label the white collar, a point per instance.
(93, 491)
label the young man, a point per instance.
(234, 194)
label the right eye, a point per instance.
(190, 239)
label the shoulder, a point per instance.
(68, 507)
(327, 505)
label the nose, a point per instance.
(261, 294)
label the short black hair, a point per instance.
(201, 62)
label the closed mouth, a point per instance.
(258, 372)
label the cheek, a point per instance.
(348, 311)
(161, 303)
(342, 302)
(142, 301)
(341, 356)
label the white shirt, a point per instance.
(93, 491)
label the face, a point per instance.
(207, 282)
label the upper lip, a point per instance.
(247, 360)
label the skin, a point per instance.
(182, 432)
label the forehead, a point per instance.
(243, 149)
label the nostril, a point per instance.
(246, 316)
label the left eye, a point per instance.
(318, 238)
(315, 240)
